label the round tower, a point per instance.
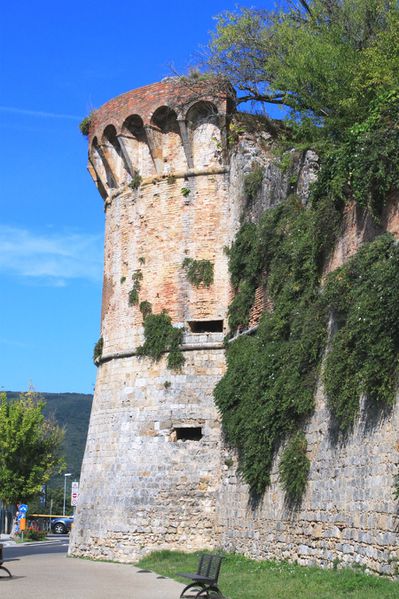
(152, 466)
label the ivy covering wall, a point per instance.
(267, 394)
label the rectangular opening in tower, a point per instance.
(206, 326)
(187, 433)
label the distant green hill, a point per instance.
(71, 411)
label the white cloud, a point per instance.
(38, 113)
(50, 258)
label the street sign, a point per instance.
(74, 493)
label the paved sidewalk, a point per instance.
(6, 540)
(53, 576)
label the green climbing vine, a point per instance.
(362, 296)
(294, 468)
(161, 337)
(133, 296)
(267, 393)
(98, 350)
(198, 271)
(145, 308)
(253, 181)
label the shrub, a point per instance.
(185, 191)
(136, 181)
(198, 271)
(161, 337)
(85, 124)
(98, 350)
(294, 468)
(34, 534)
(171, 179)
(253, 182)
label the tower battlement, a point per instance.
(155, 131)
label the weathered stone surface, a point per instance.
(143, 488)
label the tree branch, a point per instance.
(305, 6)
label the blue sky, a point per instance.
(59, 60)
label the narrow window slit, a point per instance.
(187, 433)
(206, 326)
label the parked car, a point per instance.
(62, 525)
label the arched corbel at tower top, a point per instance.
(97, 180)
(165, 140)
(114, 154)
(206, 133)
(136, 146)
(100, 166)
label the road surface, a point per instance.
(43, 571)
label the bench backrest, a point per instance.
(209, 566)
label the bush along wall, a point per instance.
(267, 394)
(161, 337)
(198, 272)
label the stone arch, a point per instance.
(114, 154)
(203, 125)
(167, 144)
(134, 142)
(101, 165)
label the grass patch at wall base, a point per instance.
(243, 578)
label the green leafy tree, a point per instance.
(30, 448)
(324, 59)
(333, 64)
(54, 502)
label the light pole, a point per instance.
(65, 477)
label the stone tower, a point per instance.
(152, 464)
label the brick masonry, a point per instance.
(143, 488)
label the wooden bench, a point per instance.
(2, 560)
(205, 579)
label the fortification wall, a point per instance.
(143, 487)
(151, 468)
(348, 514)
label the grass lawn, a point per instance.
(243, 578)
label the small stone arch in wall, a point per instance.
(114, 154)
(203, 125)
(101, 165)
(167, 142)
(134, 142)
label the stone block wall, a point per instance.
(143, 486)
(151, 468)
(348, 514)
(143, 489)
